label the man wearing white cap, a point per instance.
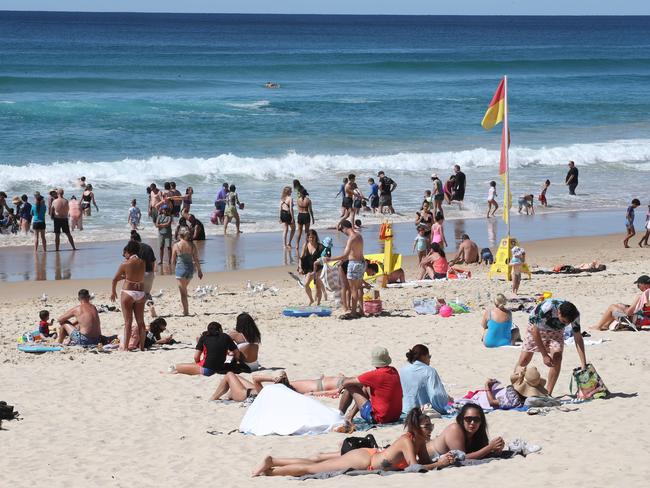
(377, 394)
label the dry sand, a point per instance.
(113, 420)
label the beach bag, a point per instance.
(352, 443)
(589, 385)
(330, 278)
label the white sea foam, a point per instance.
(252, 105)
(634, 154)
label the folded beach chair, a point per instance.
(639, 321)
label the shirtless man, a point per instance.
(353, 253)
(467, 252)
(348, 198)
(60, 211)
(86, 329)
(155, 197)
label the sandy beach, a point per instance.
(114, 420)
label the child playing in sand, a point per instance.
(516, 263)
(421, 242)
(492, 199)
(542, 195)
(526, 202)
(134, 215)
(644, 239)
(629, 221)
(44, 324)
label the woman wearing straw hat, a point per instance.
(525, 382)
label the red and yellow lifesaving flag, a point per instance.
(497, 108)
(495, 114)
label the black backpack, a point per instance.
(352, 443)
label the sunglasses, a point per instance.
(472, 420)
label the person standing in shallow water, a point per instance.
(286, 216)
(232, 210)
(572, 178)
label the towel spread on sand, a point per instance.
(280, 410)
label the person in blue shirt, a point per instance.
(38, 211)
(374, 195)
(421, 384)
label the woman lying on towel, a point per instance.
(409, 449)
(469, 434)
(240, 388)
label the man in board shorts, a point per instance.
(545, 334)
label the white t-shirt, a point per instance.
(492, 194)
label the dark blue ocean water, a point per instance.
(126, 99)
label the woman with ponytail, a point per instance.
(421, 384)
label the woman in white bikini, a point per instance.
(132, 294)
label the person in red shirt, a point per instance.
(377, 394)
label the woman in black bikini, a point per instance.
(305, 214)
(309, 265)
(88, 197)
(286, 215)
(425, 218)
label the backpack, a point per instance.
(352, 443)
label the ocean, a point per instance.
(129, 99)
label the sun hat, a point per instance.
(380, 357)
(434, 175)
(528, 382)
(16, 200)
(642, 280)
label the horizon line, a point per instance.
(317, 14)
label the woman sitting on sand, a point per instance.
(409, 449)
(210, 355)
(185, 259)
(434, 265)
(497, 325)
(468, 434)
(421, 384)
(247, 337)
(310, 266)
(132, 296)
(240, 388)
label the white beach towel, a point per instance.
(280, 410)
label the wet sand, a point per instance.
(258, 250)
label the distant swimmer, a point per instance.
(271, 84)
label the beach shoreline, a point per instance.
(252, 251)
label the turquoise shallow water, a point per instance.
(127, 99)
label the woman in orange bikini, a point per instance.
(132, 296)
(409, 449)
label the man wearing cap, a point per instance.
(377, 394)
(545, 334)
(467, 252)
(86, 329)
(616, 310)
(60, 211)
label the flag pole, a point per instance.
(506, 141)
